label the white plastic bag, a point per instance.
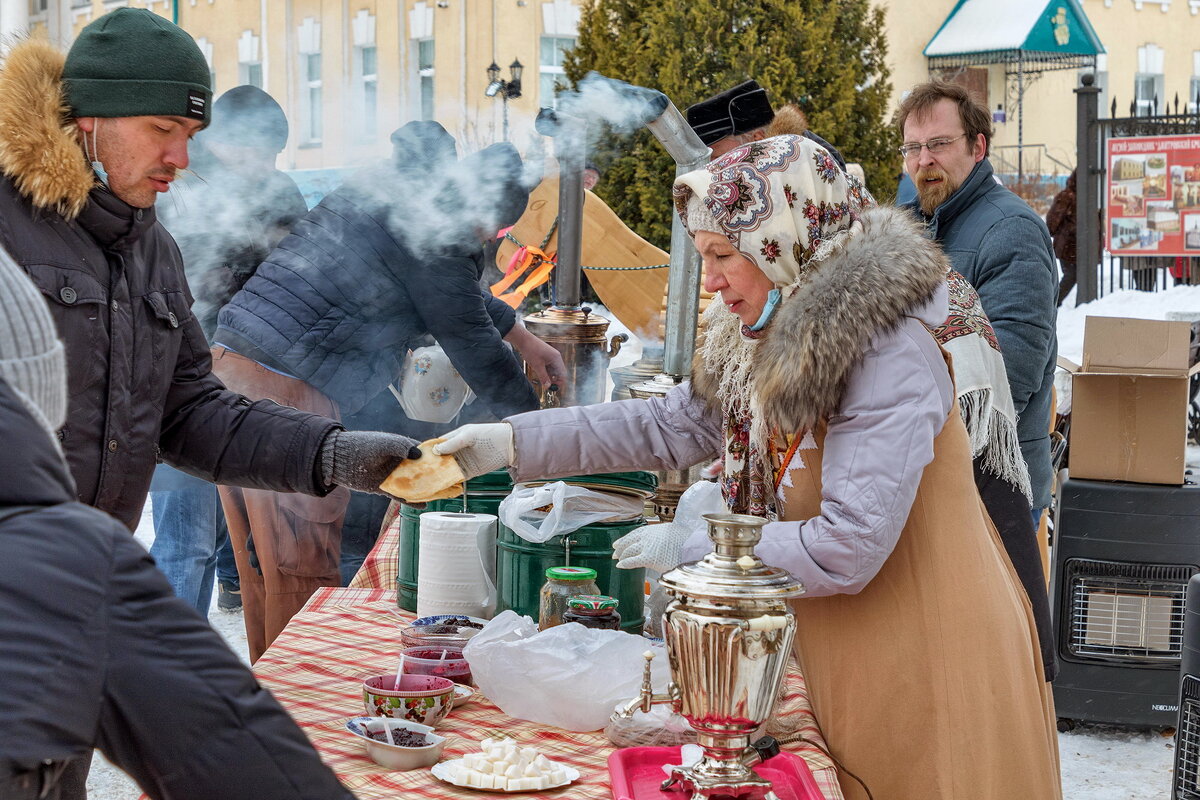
(570, 508)
(431, 390)
(569, 676)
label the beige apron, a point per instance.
(928, 683)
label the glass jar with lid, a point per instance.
(561, 584)
(594, 611)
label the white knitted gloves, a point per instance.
(479, 449)
(660, 546)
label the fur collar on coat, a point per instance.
(39, 144)
(866, 286)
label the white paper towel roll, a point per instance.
(456, 564)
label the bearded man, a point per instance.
(998, 243)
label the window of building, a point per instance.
(425, 76)
(250, 74)
(1149, 80)
(550, 68)
(206, 48)
(80, 3)
(311, 99)
(250, 68)
(367, 77)
(38, 7)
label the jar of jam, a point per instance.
(561, 584)
(594, 611)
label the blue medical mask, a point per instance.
(768, 311)
(94, 156)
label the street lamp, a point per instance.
(507, 90)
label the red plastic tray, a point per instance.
(637, 774)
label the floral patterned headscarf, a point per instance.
(785, 205)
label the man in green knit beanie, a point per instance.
(139, 89)
(88, 140)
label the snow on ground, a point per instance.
(1124, 303)
(1099, 762)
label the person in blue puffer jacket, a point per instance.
(381, 264)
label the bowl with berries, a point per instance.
(396, 743)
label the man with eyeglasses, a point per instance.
(999, 244)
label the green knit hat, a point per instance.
(133, 63)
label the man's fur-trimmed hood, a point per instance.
(884, 272)
(39, 145)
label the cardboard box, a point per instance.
(1129, 401)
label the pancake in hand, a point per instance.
(430, 477)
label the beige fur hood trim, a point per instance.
(865, 287)
(39, 148)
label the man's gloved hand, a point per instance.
(479, 449)
(360, 460)
(658, 547)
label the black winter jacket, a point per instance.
(99, 653)
(138, 366)
(343, 296)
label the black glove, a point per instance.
(360, 460)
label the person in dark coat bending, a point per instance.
(378, 267)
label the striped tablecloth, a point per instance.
(316, 666)
(378, 570)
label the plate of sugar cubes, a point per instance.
(501, 765)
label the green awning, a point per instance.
(1052, 34)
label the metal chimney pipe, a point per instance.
(569, 151)
(683, 276)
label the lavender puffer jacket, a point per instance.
(877, 446)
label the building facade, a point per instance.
(349, 72)
(1152, 51)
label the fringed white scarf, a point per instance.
(984, 396)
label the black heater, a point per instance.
(1186, 780)
(1123, 556)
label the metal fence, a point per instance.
(1113, 273)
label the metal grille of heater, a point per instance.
(1127, 613)
(1187, 742)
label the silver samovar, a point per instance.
(729, 633)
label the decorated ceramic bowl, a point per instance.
(424, 699)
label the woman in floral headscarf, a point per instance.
(820, 385)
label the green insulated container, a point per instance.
(483, 497)
(521, 565)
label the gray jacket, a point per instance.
(877, 445)
(998, 243)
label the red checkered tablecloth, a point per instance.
(316, 666)
(379, 568)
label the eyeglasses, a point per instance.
(934, 146)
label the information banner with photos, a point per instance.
(1153, 196)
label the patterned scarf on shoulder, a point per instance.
(981, 384)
